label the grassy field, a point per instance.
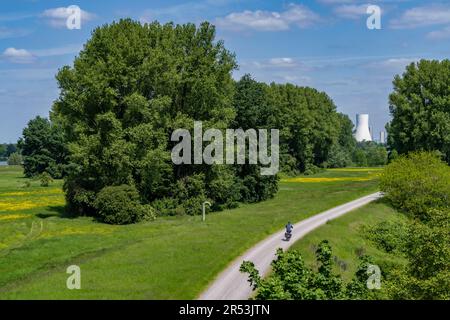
(170, 258)
(347, 238)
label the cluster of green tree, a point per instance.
(6, 150)
(43, 148)
(370, 154)
(361, 154)
(420, 109)
(131, 87)
(291, 279)
(310, 128)
(419, 186)
(128, 90)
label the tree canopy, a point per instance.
(292, 279)
(133, 84)
(128, 90)
(420, 109)
(43, 148)
(418, 184)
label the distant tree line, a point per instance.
(6, 149)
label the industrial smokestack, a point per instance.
(382, 137)
(362, 132)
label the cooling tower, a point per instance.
(362, 132)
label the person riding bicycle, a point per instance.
(289, 227)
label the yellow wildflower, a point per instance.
(25, 193)
(303, 179)
(14, 216)
(355, 169)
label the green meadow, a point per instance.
(348, 241)
(170, 258)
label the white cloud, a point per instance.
(398, 62)
(439, 34)
(259, 20)
(422, 17)
(256, 20)
(274, 63)
(336, 1)
(6, 33)
(299, 80)
(58, 51)
(351, 11)
(8, 17)
(28, 56)
(187, 11)
(173, 12)
(282, 62)
(395, 65)
(57, 17)
(27, 74)
(18, 55)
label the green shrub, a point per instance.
(167, 207)
(416, 183)
(419, 185)
(288, 164)
(145, 212)
(311, 169)
(121, 205)
(338, 157)
(291, 278)
(427, 249)
(15, 159)
(388, 236)
(26, 184)
(224, 189)
(45, 179)
(253, 186)
(193, 206)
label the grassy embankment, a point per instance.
(347, 238)
(170, 258)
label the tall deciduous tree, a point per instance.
(308, 124)
(127, 91)
(420, 108)
(253, 112)
(43, 148)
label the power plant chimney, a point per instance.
(382, 137)
(362, 132)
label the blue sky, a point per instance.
(319, 43)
